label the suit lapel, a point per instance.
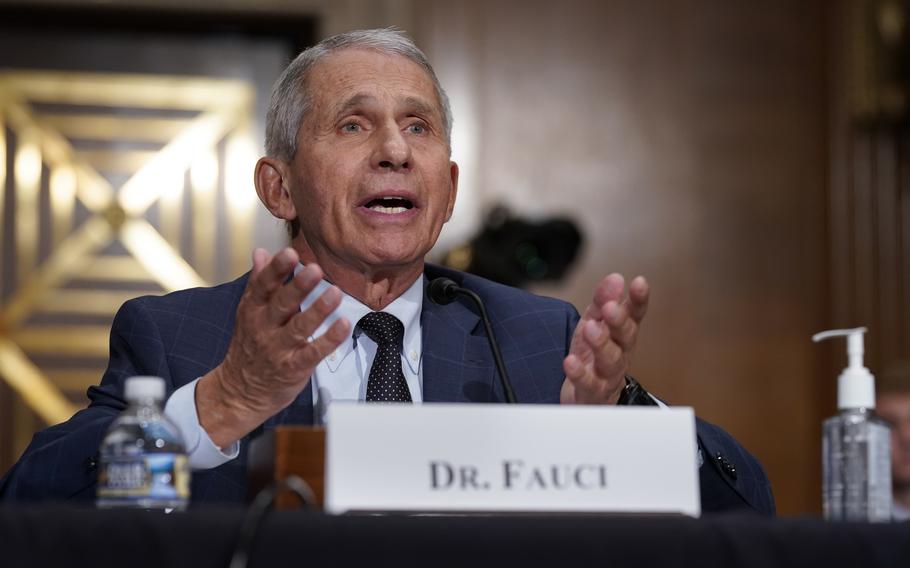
(457, 365)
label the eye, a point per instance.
(417, 128)
(350, 127)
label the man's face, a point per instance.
(895, 408)
(371, 182)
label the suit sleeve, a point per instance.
(60, 462)
(731, 478)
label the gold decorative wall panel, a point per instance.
(116, 186)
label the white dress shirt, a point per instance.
(341, 376)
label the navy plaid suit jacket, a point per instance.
(183, 335)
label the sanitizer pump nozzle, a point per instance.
(856, 385)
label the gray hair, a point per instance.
(290, 100)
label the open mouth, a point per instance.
(389, 205)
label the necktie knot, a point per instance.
(383, 328)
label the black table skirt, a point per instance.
(58, 536)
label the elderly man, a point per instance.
(358, 163)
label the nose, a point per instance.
(392, 151)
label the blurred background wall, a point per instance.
(747, 157)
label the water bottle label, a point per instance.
(163, 477)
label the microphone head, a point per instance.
(442, 291)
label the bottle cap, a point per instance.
(856, 385)
(144, 387)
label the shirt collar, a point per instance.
(406, 308)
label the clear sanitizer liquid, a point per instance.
(856, 450)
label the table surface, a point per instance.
(65, 536)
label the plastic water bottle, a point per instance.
(143, 462)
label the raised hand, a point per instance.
(601, 351)
(270, 358)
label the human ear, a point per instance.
(272, 185)
(453, 173)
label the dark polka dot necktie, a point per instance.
(386, 382)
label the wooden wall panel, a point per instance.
(869, 212)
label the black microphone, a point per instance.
(444, 291)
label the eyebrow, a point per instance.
(422, 106)
(350, 104)
(416, 104)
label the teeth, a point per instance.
(388, 210)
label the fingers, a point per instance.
(273, 302)
(639, 294)
(623, 328)
(621, 314)
(260, 259)
(285, 302)
(271, 276)
(329, 341)
(608, 354)
(304, 324)
(574, 368)
(597, 378)
(599, 382)
(584, 387)
(610, 289)
(604, 340)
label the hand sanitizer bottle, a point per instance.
(856, 447)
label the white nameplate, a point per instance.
(511, 458)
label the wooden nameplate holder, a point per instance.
(284, 451)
